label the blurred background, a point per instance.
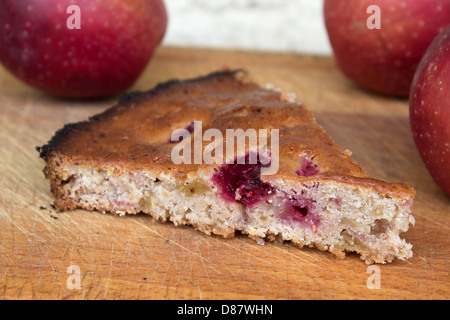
(269, 25)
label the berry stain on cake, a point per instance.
(301, 211)
(189, 128)
(241, 182)
(308, 168)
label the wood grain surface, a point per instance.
(134, 257)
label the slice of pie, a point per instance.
(142, 155)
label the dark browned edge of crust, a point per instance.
(126, 98)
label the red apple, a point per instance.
(430, 109)
(96, 51)
(385, 59)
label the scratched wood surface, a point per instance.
(135, 257)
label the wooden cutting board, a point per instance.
(45, 254)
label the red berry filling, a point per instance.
(308, 168)
(301, 211)
(241, 182)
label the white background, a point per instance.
(270, 25)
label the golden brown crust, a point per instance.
(135, 133)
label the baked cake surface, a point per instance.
(121, 161)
